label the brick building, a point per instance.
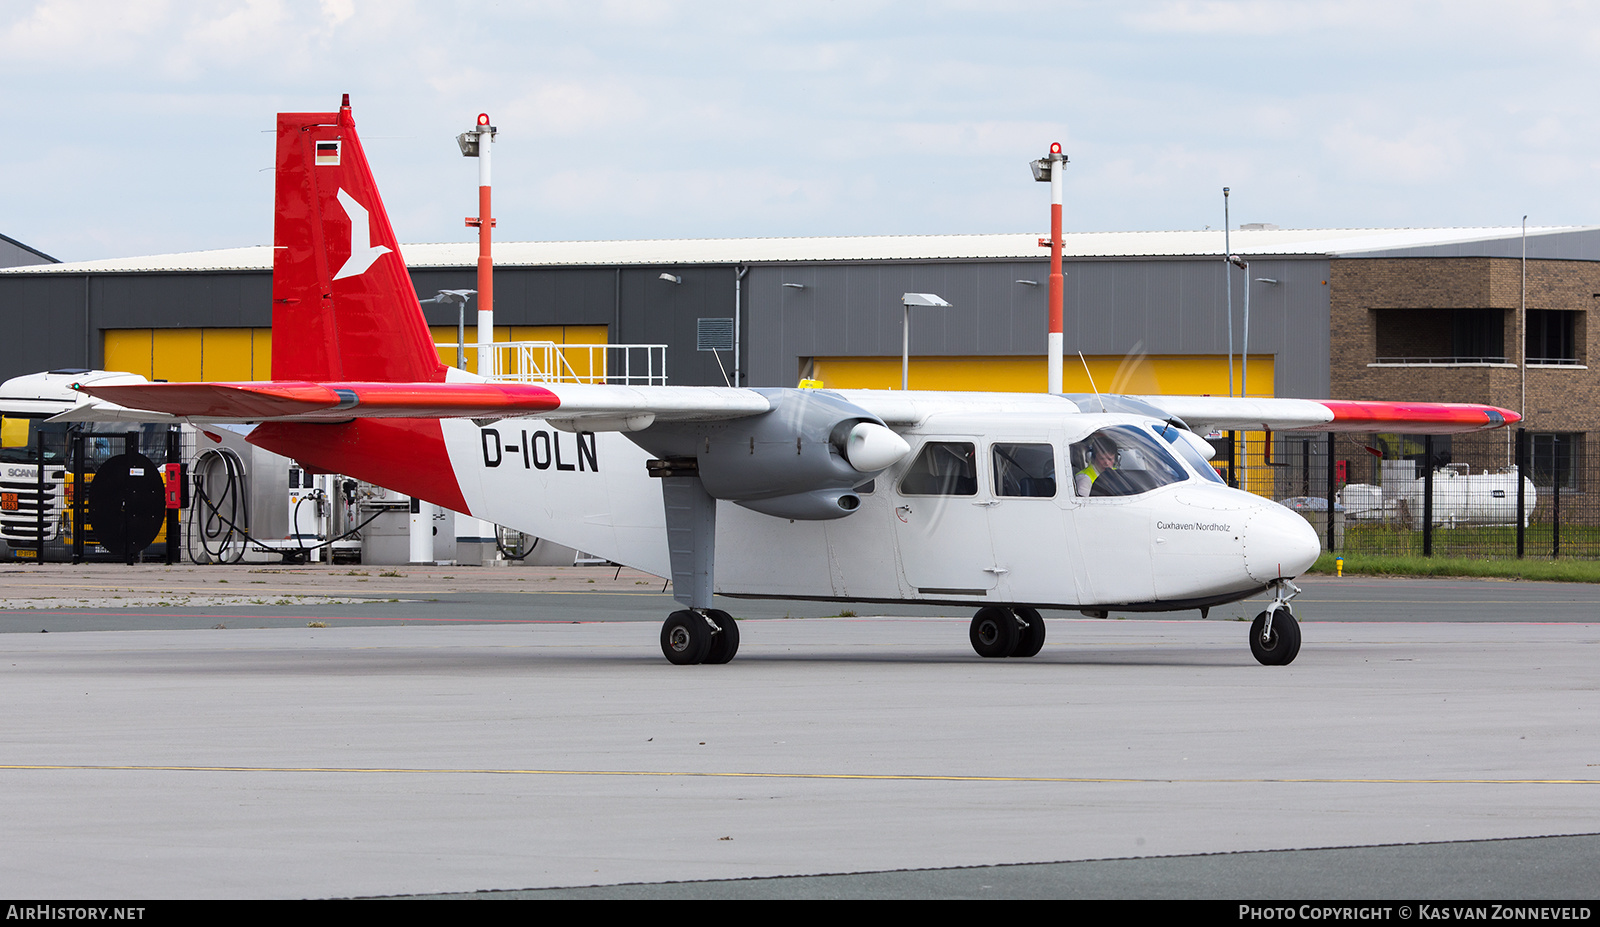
(1454, 329)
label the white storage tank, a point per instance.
(1462, 498)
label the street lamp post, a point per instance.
(459, 298)
(1227, 272)
(1244, 350)
(907, 301)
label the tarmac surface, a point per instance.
(515, 732)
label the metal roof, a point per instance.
(1287, 242)
(14, 253)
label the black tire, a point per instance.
(1030, 639)
(724, 643)
(1283, 642)
(994, 632)
(685, 638)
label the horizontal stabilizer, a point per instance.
(292, 401)
(576, 407)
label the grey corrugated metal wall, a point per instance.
(1160, 306)
(1171, 306)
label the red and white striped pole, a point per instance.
(1049, 169)
(484, 222)
(475, 538)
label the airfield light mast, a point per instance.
(1048, 169)
(476, 143)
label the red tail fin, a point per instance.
(343, 306)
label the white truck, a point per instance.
(35, 506)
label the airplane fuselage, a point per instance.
(1191, 543)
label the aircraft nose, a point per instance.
(1278, 542)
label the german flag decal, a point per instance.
(328, 153)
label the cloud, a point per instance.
(667, 117)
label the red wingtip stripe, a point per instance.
(1416, 417)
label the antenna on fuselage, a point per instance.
(1091, 382)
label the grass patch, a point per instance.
(1560, 571)
(1474, 541)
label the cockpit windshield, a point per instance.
(1122, 460)
(1184, 443)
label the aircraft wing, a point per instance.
(573, 406)
(1224, 413)
(602, 407)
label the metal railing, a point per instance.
(548, 362)
(1446, 361)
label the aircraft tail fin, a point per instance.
(343, 305)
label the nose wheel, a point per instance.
(708, 635)
(1275, 634)
(1007, 632)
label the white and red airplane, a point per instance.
(1008, 502)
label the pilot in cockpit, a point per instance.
(1102, 457)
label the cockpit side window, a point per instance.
(1122, 460)
(1025, 470)
(943, 468)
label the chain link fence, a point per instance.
(1496, 494)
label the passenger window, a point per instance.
(1122, 461)
(944, 468)
(1025, 470)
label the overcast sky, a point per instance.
(143, 126)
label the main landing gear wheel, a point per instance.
(685, 638)
(725, 642)
(1030, 638)
(1007, 632)
(688, 637)
(1278, 644)
(994, 632)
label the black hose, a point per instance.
(233, 496)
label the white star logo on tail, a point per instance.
(362, 251)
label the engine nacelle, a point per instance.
(801, 460)
(818, 505)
